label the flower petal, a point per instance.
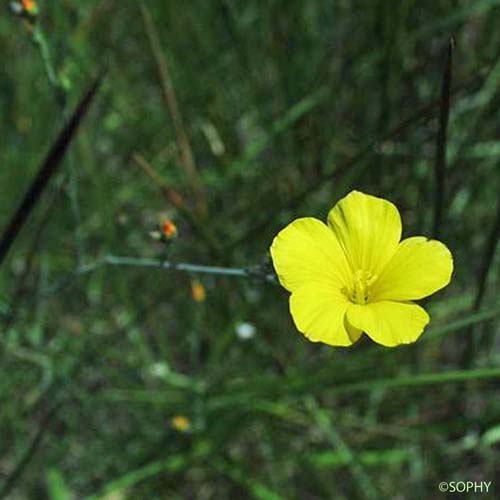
(420, 267)
(319, 312)
(389, 323)
(368, 228)
(307, 251)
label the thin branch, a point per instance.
(440, 163)
(113, 260)
(254, 272)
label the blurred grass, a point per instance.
(286, 106)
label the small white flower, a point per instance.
(245, 331)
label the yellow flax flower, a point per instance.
(354, 275)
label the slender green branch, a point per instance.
(190, 268)
(113, 260)
(40, 41)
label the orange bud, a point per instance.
(29, 6)
(169, 229)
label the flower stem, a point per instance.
(115, 260)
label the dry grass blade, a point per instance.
(186, 156)
(171, 195)
(47, 170)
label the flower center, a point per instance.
(359, 291)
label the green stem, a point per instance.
(40, 40)
(114, 260)
(174, 266)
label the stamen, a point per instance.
(359, 292)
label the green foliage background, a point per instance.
(277, 97)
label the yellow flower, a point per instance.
(354, 275)
(198, 291)
(180, 423)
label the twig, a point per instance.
(440, 163)
(175, 266)
(47, 170)
(186, 157)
